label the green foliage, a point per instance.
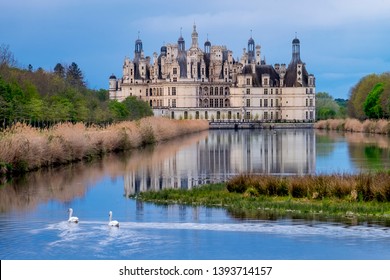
(118, 110)
(372, 107)
(327, 107)
(137, 108)
(364, 101)
(43, 98)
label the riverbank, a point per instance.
(353, 125)
(363, 197)
(24, 148)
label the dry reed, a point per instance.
(353, 125)
(24, 148)
(360, 187)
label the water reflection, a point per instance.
(210, 156)
(218, 155)
(352, 152)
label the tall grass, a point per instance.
(24, 148)
(353, 125)
(360, 187)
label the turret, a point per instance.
(112, 83)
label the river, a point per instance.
(33, 216)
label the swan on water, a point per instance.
(112, 223)
(72, 219)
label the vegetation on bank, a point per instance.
(43, 98)
(362, 196)
(381, 126)
(25, 148)
(329, 108)
(370, 98)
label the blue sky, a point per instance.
(341, 41)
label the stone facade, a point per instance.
(210, 84)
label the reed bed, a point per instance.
(24, 148)
(353, 125)
(345, 198)
(348, 187)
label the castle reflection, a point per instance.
(218, 155)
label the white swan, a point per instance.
(112, 223)
(72, 219)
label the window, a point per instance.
(277, 102)
(272, 91)
(248, 115)
(248, 91)
(265, 102)
(307, 103)
(169, 91)
(221, 91)
(197, 115)
(211, 103)
(272, 103)
(266, 115)
(277, 91)
(221, 103)
(174, 79)
(211, 91)
(311, 102)
(266, 91)
(261, 102)
(206, 115)
(174, 71)
(265, 81)
(272, 115)
(248, 81)
(173, 102)
(248, 103)
(173, 90)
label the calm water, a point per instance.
(34, 209)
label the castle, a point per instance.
(210, 84)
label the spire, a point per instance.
(181, 41)
(138, 48)
(296, 55)
(194, 36)
(251, 48)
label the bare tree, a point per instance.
(6, 56)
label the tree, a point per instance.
(372, 106)
(59, 70)
(360, 91)
(326, 107)
(118, 110)
(6, 56)
(137, 108)
(74, 75)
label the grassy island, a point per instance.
(342, 197)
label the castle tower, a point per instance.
(194, 36)
(138, 49)
(296, 55)
(207, 46)
(251, 49)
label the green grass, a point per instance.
(253, 205)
